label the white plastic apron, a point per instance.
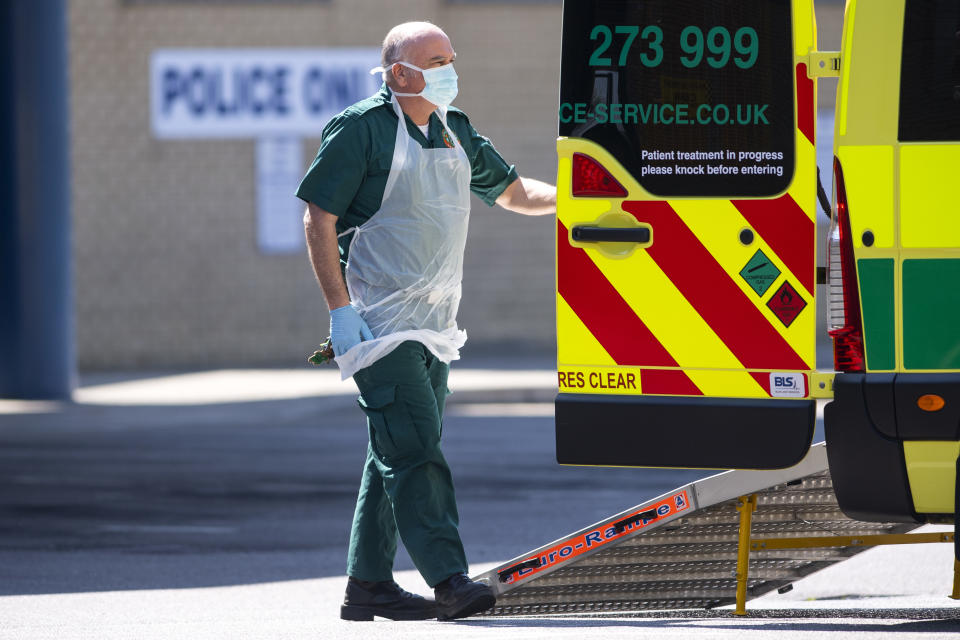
(405, 263)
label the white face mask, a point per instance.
(440, 84)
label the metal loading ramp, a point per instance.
(680, 550)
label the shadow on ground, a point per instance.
(98, 498)
(936, 620)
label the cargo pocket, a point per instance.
(393, 434)
(441, 394)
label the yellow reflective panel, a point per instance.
(575, 343)
(868, 177)
(870, 77)
(804, 27)
(663, 309)
(849, 15)
(932, 471)
(717, 223)
(733, 384)
(644, 286)
(928, 195)
(803, 189)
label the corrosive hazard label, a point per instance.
(603, 534)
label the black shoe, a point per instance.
(364, 600)
(458, 597)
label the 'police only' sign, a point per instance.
(244, 93)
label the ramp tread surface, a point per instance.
(689, 560)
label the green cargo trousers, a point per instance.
(406, 485)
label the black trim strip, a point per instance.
(504, 574)
(621, 525)
(686, 432)
(610, 234)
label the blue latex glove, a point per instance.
(347, 329)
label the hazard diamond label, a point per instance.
(760, 273)
(786, 304)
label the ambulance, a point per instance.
(687, 276)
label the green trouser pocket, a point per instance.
(393, 433)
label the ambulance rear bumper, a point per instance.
(696, 433)
(866, 424)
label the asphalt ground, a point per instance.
(217, 505)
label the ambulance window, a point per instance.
(694, 98)
(930, 71)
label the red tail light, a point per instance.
(591, 179)
(844, 294)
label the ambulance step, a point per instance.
(679, 550)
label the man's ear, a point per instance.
(399, 74)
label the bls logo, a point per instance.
(787, 385)
(783, 382)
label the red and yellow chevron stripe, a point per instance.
(676, 317)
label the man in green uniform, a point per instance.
(387, 208)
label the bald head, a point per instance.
(406, 42)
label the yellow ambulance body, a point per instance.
(893, 430)
(686, 243)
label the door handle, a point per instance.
(611, 234)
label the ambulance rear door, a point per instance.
(686, 273)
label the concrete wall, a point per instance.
(167, 269)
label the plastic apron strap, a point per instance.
(399, 160)
(399, 149)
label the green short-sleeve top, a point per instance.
(349, 174)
